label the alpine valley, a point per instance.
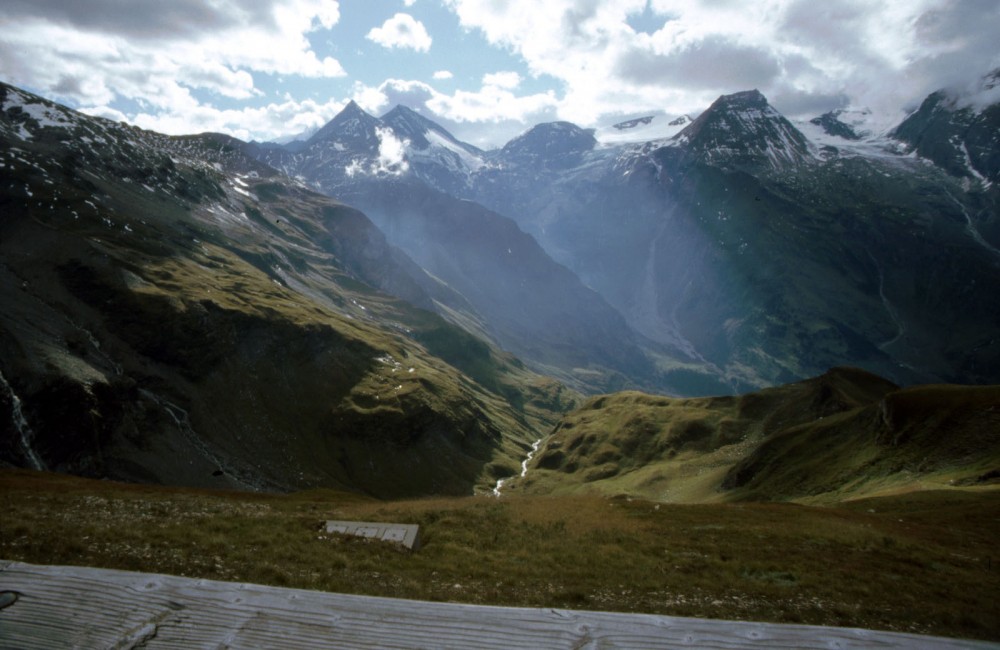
(386, 309)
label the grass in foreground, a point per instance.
(924, 562)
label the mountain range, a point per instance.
(385, 308)
(743, 251)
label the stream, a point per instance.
(21, 424)
(971, 227)
(524, 467)
(893, 314)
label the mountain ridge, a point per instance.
(659, 266)
(176, 313)
(729, 200)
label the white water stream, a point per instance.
(971, 227)
(524, 467)
(893, 314)
(21, 424)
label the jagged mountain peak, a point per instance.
(352, 107)
(352, 123)
(744, 99)
(836, 124)
(402, 111)
(743, 129)
(556, 142)
(411, 125)
(407, 123)
(957, 130)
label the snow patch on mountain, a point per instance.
(646, 129)
(39, 115)
(821, 142)
(472, 162)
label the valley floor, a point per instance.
(924, 562)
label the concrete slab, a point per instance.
(406, 535)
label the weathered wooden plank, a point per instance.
(75, 607)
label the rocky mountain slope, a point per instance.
(400, 169)
(843, 435)
(190, 310)
(740, 252)
(177, 312)
(959, 131)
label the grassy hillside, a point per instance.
(845, 434)
(924, 436)
(175, 312)
(924, 562)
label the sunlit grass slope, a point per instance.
(845, 434)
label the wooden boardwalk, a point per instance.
(75, 607)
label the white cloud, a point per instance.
(273, 121)
(463, 112)
(164, 64)
(391, 159)
(154, 53)
(391, 152)
(808, 54)
(401, 31)
(493, 103)
(508, 80)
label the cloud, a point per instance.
(401, 31)
(808, 55)
(494, 102)
(464, 112)
(508, 80)
(391, 92)
(275, 120)
(169, 64)
(391, 152)
(710, 63)
(391, 159)
(155, 53)
(144, 19)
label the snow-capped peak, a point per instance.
(744, 129)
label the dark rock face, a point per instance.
(833, 126)
(742, 129)
(555, 145)
(958, 135)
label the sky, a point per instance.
(485, 69)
